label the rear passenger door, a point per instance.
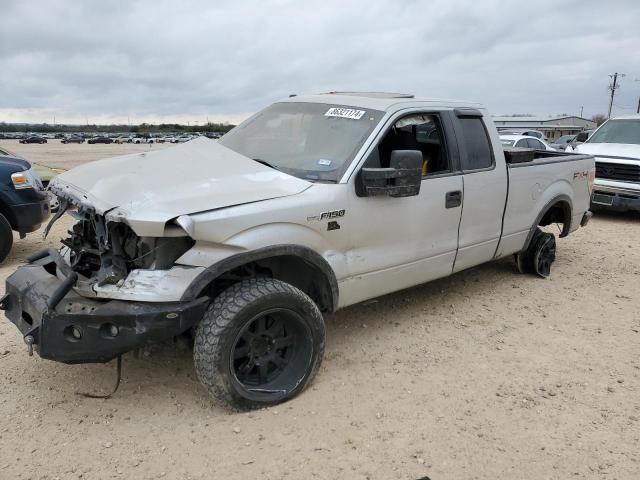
(485, 190)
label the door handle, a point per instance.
(453, 199)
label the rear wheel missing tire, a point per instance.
(544, 254)
(259, 343)
(539, 256)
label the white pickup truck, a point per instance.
(616, 148)
(313, 204)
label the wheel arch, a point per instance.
(557, 210)
(297, 265)
(6, 211)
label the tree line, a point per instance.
(143, 128)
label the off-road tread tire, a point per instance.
(219, 323)
(6, 237)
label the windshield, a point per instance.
(618, 131)
(507, 143)
(314, 141)
(566, 139)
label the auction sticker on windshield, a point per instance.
(345, 113)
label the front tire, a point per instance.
(260, 343)
(6, 237)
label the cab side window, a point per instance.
(476, 140)
(417, 131)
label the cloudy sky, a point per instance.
(155, 61)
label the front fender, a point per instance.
(216, 270)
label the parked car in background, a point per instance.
(100, 140)
(582, 137)
(73, 139)
(534, 133)
(24, 205)
(320, 202)
(34, 139)
(44, 173)
(520, 131)
(47, 174)
(563, 142)
(616, 146)
(524, 141)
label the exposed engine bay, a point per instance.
(106, 251)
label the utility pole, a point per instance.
(613, 87)
(581, 109)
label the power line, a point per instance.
(613, 87)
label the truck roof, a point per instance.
(384, 101)
(635, 116)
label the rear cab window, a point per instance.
(475, 138)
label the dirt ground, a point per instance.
(488, 374)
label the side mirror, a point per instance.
(402, 179)
(581, 137)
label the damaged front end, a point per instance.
(79, 305)
(108, 251)
(104, 252)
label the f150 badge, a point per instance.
(327, 215)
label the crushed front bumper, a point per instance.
(63, 326)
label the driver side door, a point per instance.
(400, 242)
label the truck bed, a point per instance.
(565, 176)
(517, 156)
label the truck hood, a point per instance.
(619, 150)
(157, 186)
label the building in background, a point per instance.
(553, 126)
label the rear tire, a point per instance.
(260, 343)
(6, 237)
(544, 254)
(539, 256)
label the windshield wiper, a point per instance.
(264, 162)
(320, 180)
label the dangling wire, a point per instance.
(118, 378)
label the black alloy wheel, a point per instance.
(271, 352)
(545, 254)
(259, 343)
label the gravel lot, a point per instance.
(488, 374)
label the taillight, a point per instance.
(592, 178)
